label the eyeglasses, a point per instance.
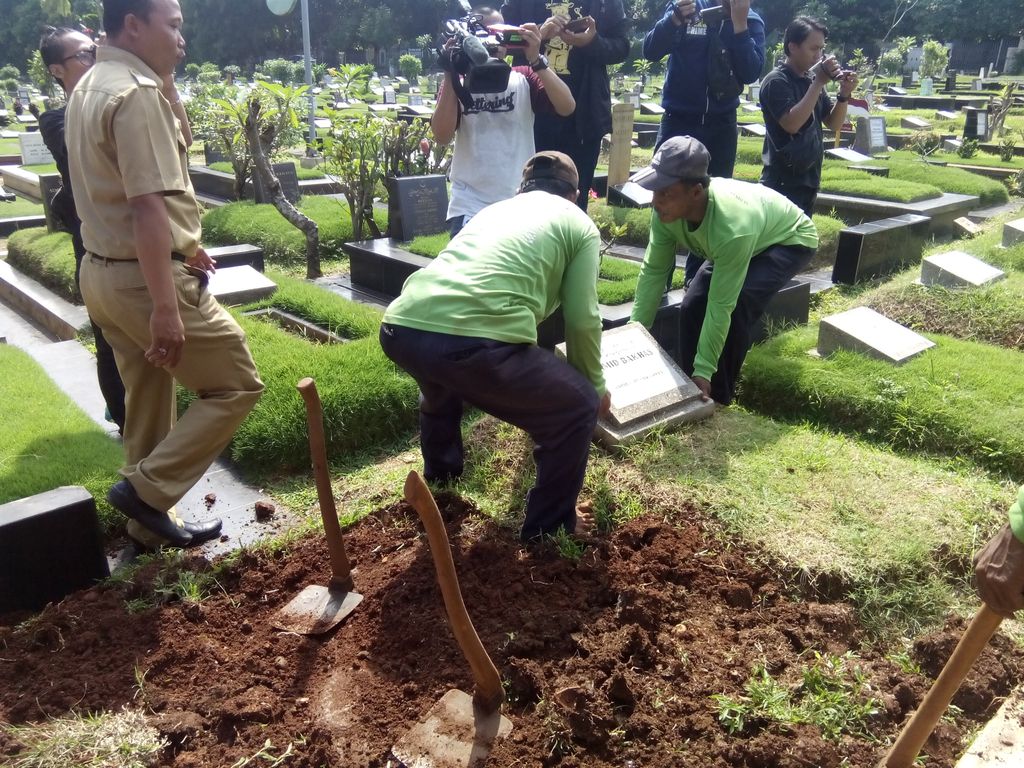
(85, 56)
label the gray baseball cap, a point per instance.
(681, 158)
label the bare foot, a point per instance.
(586, 524)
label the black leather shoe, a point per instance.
(203, 530)
(123, 498)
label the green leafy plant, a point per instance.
(934, 59)
(411, 67)
(1006, 147)
(352, 81)
(968, 148)
(925, 143)
(192, 71)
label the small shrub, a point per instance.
(968, 148)
(46, 257)
(925, 142)
(1006, 149)
(411, 67)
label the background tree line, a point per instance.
(244, 32)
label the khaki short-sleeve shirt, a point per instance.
(124, 141)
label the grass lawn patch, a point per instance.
(46, 257)
(20, 207)
(837, 179)
(283, 244)
(41, 168)
(907, 167)
(367, 401)
(47, 441)
(303, 174)
(960, 399)
(428, 245)
(10, 146)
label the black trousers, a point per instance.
(522, 384)
(801, 196)
(769, 271)
(107, 375)
(552, 132)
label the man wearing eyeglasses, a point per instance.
(144, 276)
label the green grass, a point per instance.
(617, 280)
(41, 168)
(46, 257)
(905, 166)
(959, 399)
(367, 401)
(428, 245)
(302, 173)
(894, 534)
(47, 441)
(20, 207)
(10, 146)
(283, 244)
(837, 179)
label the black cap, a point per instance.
(681, 158)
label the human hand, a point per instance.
(704, 386)
(552, 27)
(605, 406)
(999, 573)
(738, 10)
(847, 82)
(532, 37)
(167, 337)
(684, 11)
(581, 39)
(202, 260)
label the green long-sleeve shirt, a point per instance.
(511, 267)
(1017, 516)
(741, 221)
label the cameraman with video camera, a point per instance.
(795, 104)
(494, 132)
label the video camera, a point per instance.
(465, 53)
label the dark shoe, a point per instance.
(124, 499)
(203, 530)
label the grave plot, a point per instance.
(647, 649)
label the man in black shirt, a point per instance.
(795, 104)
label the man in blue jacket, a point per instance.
(697, 101)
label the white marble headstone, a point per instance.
(1013, 232)
(33, 149)
(240, 285)
(956, 269)
(867, 332)
(648, 390)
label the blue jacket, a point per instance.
(686, 83)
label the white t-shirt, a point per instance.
(493, 142)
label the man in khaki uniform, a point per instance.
(144, 274)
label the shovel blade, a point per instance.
(454, 734)
(316, 610)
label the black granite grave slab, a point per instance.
(14, 223)
(49, 183)
(214, 154)
(211, 183)
(879, 248)
(629, 195)
(239, 255)
(289, 179)
(381, 265)
(417, 205)
(790, 306)
(941, 211)
(50, 546)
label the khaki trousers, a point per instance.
(164, 459)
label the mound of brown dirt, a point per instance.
(611, 661)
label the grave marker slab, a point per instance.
(214, 154)
(651, 108)
(417, 205)
(915, 123)
(945, 114)
(877, 248)
(630, 195)
(871, 135)
(865, 331)
(847, 154)
(753, 129)
(1013, 232)
(33, 149)
(240, 285)
(50, 546)
(49, 183)
(966, 227)
(956, 269)
(976, 125)
(648, 390)
(289, 179)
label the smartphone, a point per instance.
(578, 25)
(713, 15)
(509, 36)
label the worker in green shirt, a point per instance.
(753, 241)
(999, 566)
(465, 328)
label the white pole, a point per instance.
(309, 77)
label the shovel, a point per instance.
(317, 609)
(917, 730)
(459, 730)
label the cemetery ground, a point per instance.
(763, 592)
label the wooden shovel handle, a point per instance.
(341, 571)
(488, 694)
(917, 730)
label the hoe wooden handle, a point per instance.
(488, 694)
(917, 730)
(341, 570)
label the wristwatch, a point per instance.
(840, 97)
(540, 64)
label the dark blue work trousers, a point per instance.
(551, 132)
(769, 271)
(522, 384)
